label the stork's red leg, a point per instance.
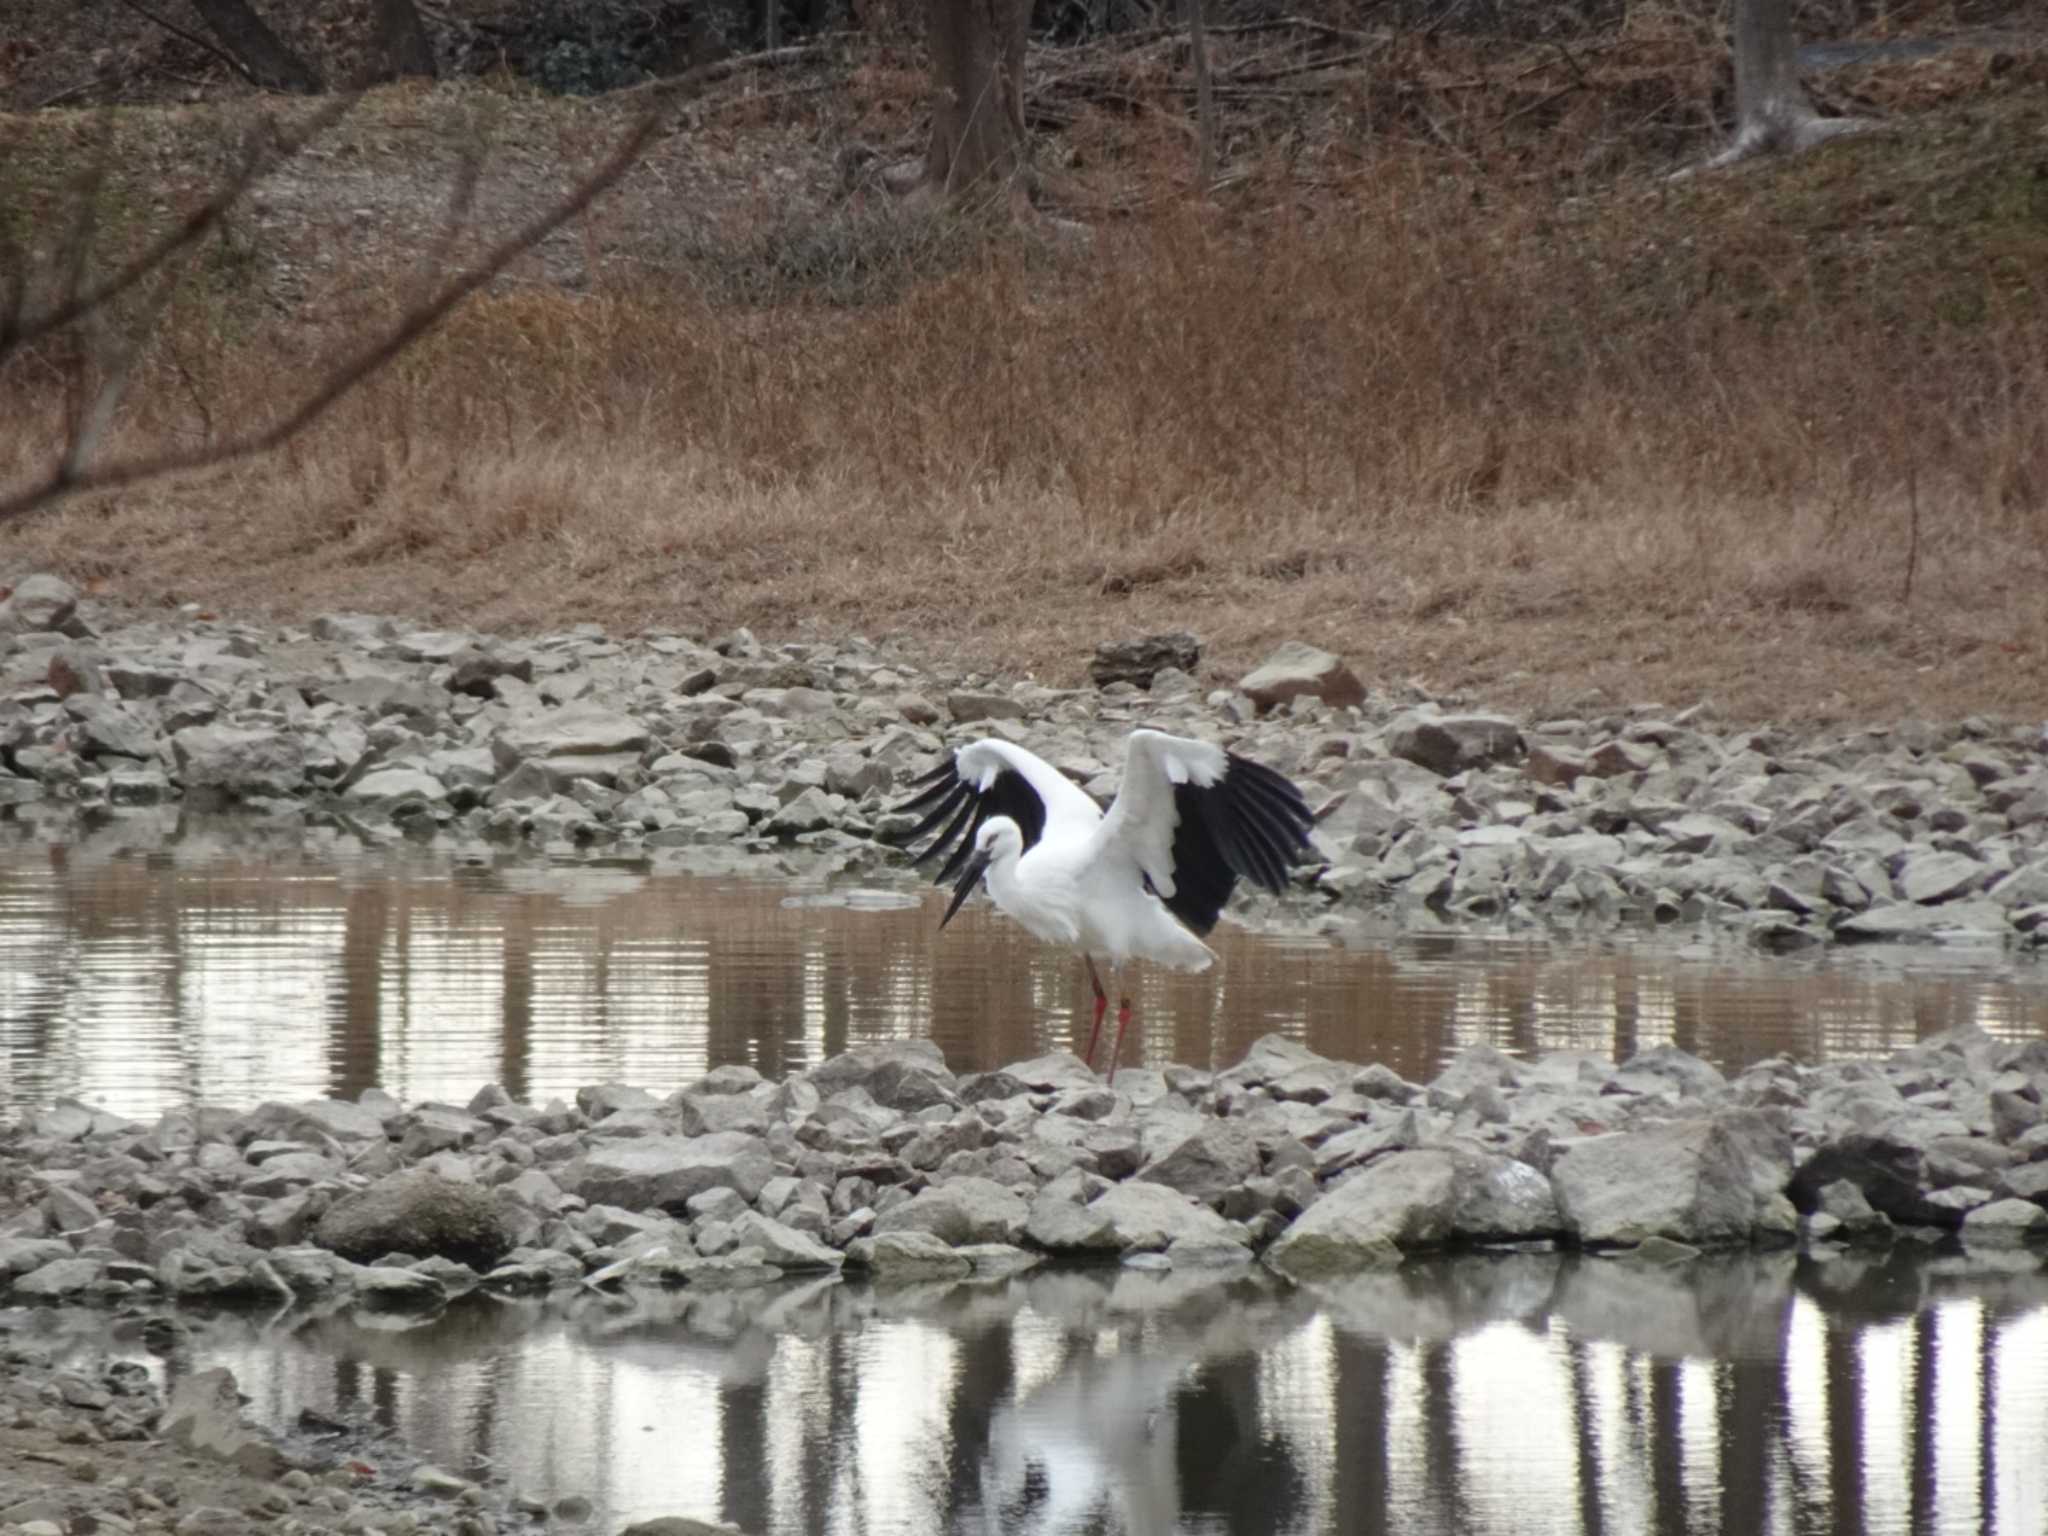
(1123, 1020)
(1101, 1002)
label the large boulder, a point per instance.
(963, 1210)
(1888, 1166)
(1410, 1200)
(231, 763)
(421, 1214)
(1448, 744)
(578, 741)
(211, 1266)
(38, 603)
(312, 1119)
(1200, 1156)
(1703, 1182)
(1296, 671)
(906, 1075)
(1141, 1217)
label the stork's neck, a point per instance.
(1004, 888)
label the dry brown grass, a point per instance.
(1670, 442)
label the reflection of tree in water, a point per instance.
(1229, 1467)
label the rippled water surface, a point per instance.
(155, 960)
(1901, 1395)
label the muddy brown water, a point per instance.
(181, 961)
(1895, 1393)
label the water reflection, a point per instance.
(155, 961)
(1530, 1392)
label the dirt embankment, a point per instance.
(1444, 375)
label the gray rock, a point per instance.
(900, 1256)
(24, 1255)
(1929, 876)
(782, 1246)
(1448, 744)
(2005, 1223)
(40, 603)
(906, 1075)
(1054, 1072)
(1061, 1225)
(213, 1265)
(1705, 1182)
(964, 1210)
(1666, 1068)
(1414, 1200)
(388, 787)
(57, 1279)
(1296, 670)
(967, 705)
(384, 1288)
(1907, 922)
(1138, 661)
(204, 1418)
(582, 740)
(1147, 1217)
(1204, 1159)
(317, 1118)
(418, 1213)
(665, 1171)
(1890, 1170)
(239, 764)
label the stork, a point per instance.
(1143, 880)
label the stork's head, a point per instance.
(999, 840)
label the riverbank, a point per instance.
(1429, 809)
(885, 1163)
(1486, 400)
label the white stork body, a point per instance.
(1141, 881)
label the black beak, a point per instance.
(970, 877)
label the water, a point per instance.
(159, 960)
(1521, 1393)
(156, 961)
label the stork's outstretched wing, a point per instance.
(1195, 818)
(993, 778)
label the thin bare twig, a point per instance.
(68, 479)
(1912, 533)
(193, 38)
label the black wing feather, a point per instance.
(957, 810)
(1251, 823)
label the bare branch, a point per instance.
(257, 162)
(71, 479)
(191, 37)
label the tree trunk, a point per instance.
(977, 50)
(407, 49)
(256, 48)
(1772, 110)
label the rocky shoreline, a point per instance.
(1429, 810)
(884, 1162)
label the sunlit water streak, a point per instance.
(158, 963)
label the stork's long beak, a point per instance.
(970, 877)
